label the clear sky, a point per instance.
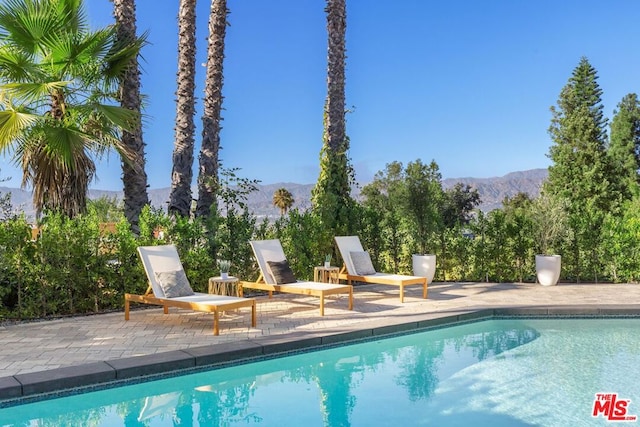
(466, 83)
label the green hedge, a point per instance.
(75, 266)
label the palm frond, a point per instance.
(111, 115)
(30, 23)
(32, 92)
(119, 116)
(73, 54)
(13, 124)
(16, 65)
(73, 13)
(119, 58)
(98, 43)
(27, 22)
(65, 144)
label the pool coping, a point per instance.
(15, 389)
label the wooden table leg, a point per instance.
(216, 330)
(253, 314)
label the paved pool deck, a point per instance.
(50, 356)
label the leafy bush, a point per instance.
(86, 264)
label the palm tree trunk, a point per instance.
(335, 106)
(208, 174)
(134, 176)
(182, 175)
(331, 196)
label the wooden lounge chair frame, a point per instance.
(347, 244)
(165, 258)
(271, 250)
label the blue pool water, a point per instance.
(538, 372)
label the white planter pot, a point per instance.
(424, 266)
(548, 269)
(224, 276)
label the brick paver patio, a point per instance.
(48, 345)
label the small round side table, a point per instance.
(220, 286)
(325, 274)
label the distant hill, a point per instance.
(492, 191)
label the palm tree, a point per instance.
(208, 174)
(134, 176)
(182, 175)
(331, 196)
(283, 199)
(58, 82)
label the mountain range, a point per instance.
(492, 192)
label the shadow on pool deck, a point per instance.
(50, 356)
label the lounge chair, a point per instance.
(270, 251)
(169, 287)
(358, 268)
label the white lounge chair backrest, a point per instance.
(160, 405)
(346, 245)
(267, 250)
(156, 259)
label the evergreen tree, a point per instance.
(579, 169)
(624, 147)
(581, 172)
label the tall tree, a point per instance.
(624, 146)
(581, 171)
(58, 83)
(182, 174)
(331, 196)
(519, 227)
(208, 174)
(283, 200)
(134, 176)
(385, 196)
(578, 129)
(458, 204)
(423, 197)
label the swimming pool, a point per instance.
(515, 372)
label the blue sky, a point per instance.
(465, 83)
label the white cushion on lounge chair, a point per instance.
(174, 283)
(362, 263)
(346, 245)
